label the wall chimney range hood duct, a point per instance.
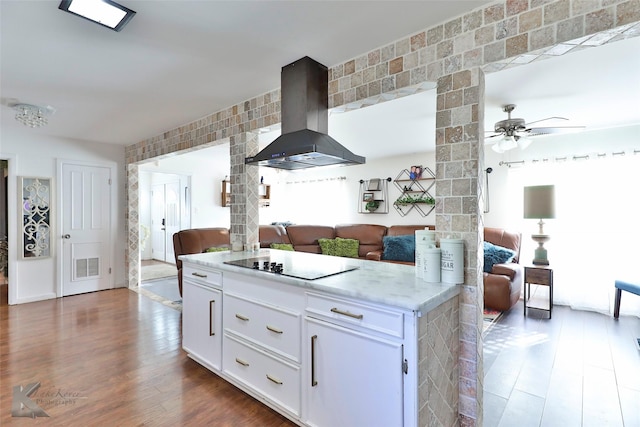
(304, 142)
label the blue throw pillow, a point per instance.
(399, 248)
(494, 254)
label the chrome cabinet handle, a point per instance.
(313, 361)
(241, 317)
(272, 329)
(346, 313)
(195, 273)
(66, 236)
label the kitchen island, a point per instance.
(324, 340)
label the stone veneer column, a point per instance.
(245, 217)
(132, 219)
(459, 154)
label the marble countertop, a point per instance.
(395, 285)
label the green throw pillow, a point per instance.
(328, 246)
(216, 249)
(282, 246)
(340, 247)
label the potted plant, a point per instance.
(372, 205)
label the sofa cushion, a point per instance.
(216, 249)
(369, 236)
(340, 247)
(506, 239)
(282, 246)
(402, 230)
(494, 254)
(399, 248)
(304, 238)
(274, 233)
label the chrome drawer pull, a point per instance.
(272, 329)
(275, 380)
(346, 313)
(242, 362)
(195, 273)
(241, 317)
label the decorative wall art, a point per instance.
(36, 217)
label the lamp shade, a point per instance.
(539, 202)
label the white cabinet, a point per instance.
(202, 317)
(317, 358)
(352, 378)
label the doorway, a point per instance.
(165, 219)
(164, 209)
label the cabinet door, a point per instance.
(202, 323)
(353, 379)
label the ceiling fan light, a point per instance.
(508, 143)
(497, 148)
(524, 142)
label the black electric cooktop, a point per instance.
(317, 268)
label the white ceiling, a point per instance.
(178, 61)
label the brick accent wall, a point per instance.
(455, 54)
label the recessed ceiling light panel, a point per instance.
(104, 12)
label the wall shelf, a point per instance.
(415, 192)
(264, 194)
(373, 196)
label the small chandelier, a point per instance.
(31, 115)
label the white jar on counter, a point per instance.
(452, 260)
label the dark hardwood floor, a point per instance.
(113, 358)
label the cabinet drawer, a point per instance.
(273, 378)
(269, 326)
(348, 312)
(202, 275)
(539, 276)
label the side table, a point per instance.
(538, 275)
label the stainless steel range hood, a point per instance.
(304, 142)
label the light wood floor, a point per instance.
(577, 369)
(113, 358)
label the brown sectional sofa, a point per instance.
(503, 285)
(304, 238)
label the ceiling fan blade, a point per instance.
(553, 130)
(493, 136)
(548, 118)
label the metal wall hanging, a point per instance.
(36, 217)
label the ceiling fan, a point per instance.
(514, 132)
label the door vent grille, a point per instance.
(87, 267)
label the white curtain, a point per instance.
(595, 237)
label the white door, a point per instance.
(165, 219)
(86, 229)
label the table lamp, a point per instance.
(539, 203)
